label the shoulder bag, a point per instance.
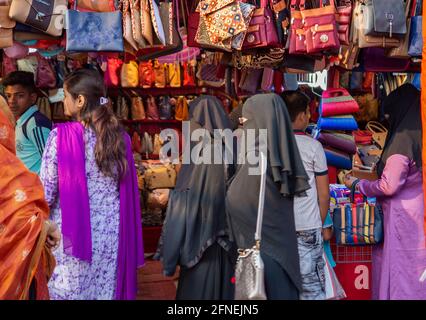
(250, 270)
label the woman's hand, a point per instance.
(53, 235)
(349, 180)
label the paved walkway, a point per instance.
(152, 285)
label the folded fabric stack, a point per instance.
(336, 119)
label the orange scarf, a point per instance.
(423, 111)
(23, 213)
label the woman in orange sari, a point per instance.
(26, 235)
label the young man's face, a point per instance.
(19, 99)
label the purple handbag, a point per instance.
(375, 60)
(262, 31)
(250, 80)
(342, 142)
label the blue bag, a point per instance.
(94, 31)
(347, 122)
(416, 40)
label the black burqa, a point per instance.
(286, 177)
(195, 233)
(405, 126)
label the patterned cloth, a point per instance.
(72, 278)
(310, 245)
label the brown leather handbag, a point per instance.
(152, 109)
(181, 109)
(6, 27)
(138, 109)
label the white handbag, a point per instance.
(250, 271)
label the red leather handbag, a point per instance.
(320, 27)
(146, 74)
(344, 15)
(193, 21)
(111, 76)
(364, 137)
(262, 31)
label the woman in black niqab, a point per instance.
(286, 177)
(195, 233)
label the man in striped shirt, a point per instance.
(32, 127)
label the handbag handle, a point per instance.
(257, 235)
(376, 127)
(335, 92)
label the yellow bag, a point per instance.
(174, 74)
(130, 75)
(160, 176)
(160, 73)
(181, 109)
(157, 144)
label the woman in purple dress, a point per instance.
(399, 262)
(90, 185)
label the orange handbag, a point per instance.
(146, 74)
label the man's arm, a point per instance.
(323, 194)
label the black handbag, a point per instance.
(385, 18)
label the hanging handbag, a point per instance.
(343, 19)
(146, 74)
(94, 31)
(379, 133)
(189, 73)
(250, 80)
(348, 56)
(320, 28)
(152, 109)
(213, 33)
(135, 18)
(45, 76)
(6, 27)
(416, 35)
(337, 102)
(95, 5)
(271, 58)
(157, 144)
(262, 30)
(181, 109)
(130, 75)
(160, 73)
(138, 109)
(146, 24)
(46, 16)
(359, 22)
(297, 40)
(173, 74)
(111, 75)
(358, 224)
(127, 25)
(157, 22)
(122, 111)
(375, 60)
(401, 52)
(165, 108)
(384, 18)
(249, 269)
(267, 83)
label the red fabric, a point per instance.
(332, 174)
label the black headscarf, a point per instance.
(405, 130)
(268, 111)
(285, 178)
(196, 217)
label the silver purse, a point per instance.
(250, 271)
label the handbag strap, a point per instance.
(257, 235)
(376, 127)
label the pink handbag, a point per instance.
(337, 102)
(262, 31)
(267, 79)
(343, 17)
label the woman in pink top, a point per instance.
(399, 262)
